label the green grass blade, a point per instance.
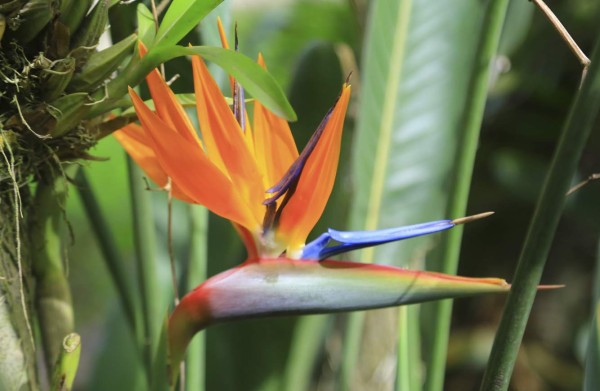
(461, 183)
(196, 274)
(145, 254)
(577, 128)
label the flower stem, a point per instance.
(196, 274)
(68, 362)
(459, 192)
(145, 252)
(577, 128)
(306, 341)
(53, 295)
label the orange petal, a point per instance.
(273, 141)
(225, 45)
(166, 104)
(224, 139)
(133, 138)
(192, 171)
(316, 180)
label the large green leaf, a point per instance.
(181, 17)
(415, 69)
(252, 76)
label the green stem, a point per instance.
(459, 192)
(403, 372)
(68, 362)
(145, 255)
(110, 252)
(351, 350)
(196, 274)
(542, 229)
(306, 342)
(592, 361)
(53, 295)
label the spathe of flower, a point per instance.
(280, 286)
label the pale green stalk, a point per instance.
(68, 362)
(463, 169)
(53, 294)
(306, 343)
(145, 254)
(195, 377)
(592, 361)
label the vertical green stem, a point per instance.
(195, 361)
(145, 254)
(306, 341)
(403, 373)
(577, 128)
(459, 192)
(52, 295)
(354, 329)
(110, 252)
(592, 361)
(68, 362)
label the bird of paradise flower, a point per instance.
(254, 176)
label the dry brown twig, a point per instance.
(583, 59)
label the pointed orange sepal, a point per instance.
(224, 139)
(316, 180)
(192, 171)
(166, 104)
(133, 138)
(273, 141)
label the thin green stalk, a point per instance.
(110, 251)
(592, 361)
(354, 329)
(145, 254)
(459, 192)
(68, 362)
(541, 232)
(403, 372)
(53, 294)
(306, 342)
(195, 377)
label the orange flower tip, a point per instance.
(468, 219)
(261, 60)
(222, 34)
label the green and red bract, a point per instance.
(282, 286)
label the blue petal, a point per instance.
(353, 240)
